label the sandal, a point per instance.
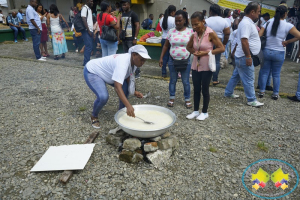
(95, 122)
(170, 103)
(43, 54)
(216, 82)
(188, 105)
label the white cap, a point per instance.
(141, 50)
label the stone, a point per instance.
(150, 146)
(167, 143)
(113, 140)
(156, 139)
(27, 192)
(132, 144)
(130, 157)
(5, 175)
(166, 135)
(143, 181)
(159, 157)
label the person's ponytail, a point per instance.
(280, 12)
(103, 6)
(168, 12)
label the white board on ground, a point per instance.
(66, 157)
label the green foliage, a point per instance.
(143, 32)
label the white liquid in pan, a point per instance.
(159, 119)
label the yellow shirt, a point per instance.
(79, 5)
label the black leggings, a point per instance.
(201, 80)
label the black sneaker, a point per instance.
(275, 97)
(269, 88)
(293, 98)
(261, 94)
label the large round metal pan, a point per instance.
(143, 133)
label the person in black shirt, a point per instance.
(132, 29)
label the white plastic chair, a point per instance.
(295, 50)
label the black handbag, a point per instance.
(108, 32)
(263, 38)
(180, 65)
(257, 59)
(122, 35)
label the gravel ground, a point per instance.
(48, 103)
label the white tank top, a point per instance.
(55, 26)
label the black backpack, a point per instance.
(78, 23)
(7, 20)
(145, 23)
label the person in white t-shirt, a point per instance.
(274, 51)
(87, 35)
(184, 9)
(222, 28)
(118, 71)
(1, 17)
(226, 16)
(167, 22)
(248, 42)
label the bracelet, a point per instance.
(248, 58)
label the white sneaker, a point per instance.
(255, 104)
(233, 96)
(202, 116)
(42, 59)
(193, 115)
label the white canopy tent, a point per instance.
(3, 3)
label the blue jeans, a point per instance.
(269, 78)
(218, 66)
(98, 86)
(226, 53)
(298, 89)
(36, 40)
(246, 74)
(273, 61)
(185, 76)
(165, 58)
(108, 47)
(88, 42)
(16, 31)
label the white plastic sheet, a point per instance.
(66, 157)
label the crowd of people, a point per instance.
(189, 43)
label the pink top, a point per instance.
(206, 45)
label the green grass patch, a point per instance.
(212, 149)
(262, 146)
(82, 108)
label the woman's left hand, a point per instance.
(285, 43)
(138, 94)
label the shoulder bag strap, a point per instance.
(128, 20)
(199, 45)
(265, 32)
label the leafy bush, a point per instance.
(69, 34)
